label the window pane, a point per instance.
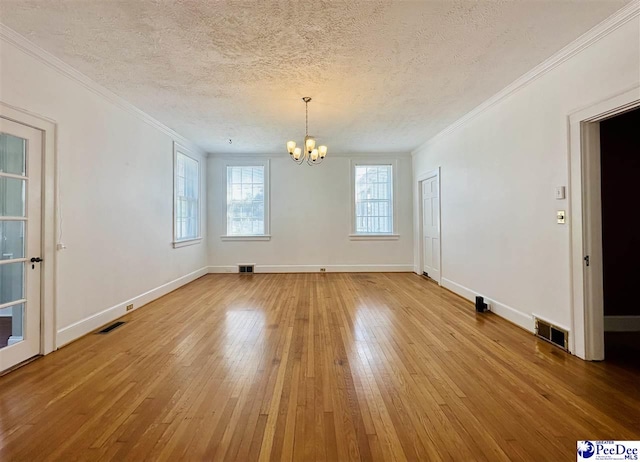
(258, 227)
(186, 207)
(13, 157)
(247, 175)
(11, 240)
(11, 282)
(12, 197)
(373, 206)
(245, 200)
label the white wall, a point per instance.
(310, 220)
(499, 170)
(115, 196)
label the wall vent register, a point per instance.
(552, 334)
(245, 269)
(110, 327)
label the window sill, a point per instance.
(374, 237)
(186, 242)
(262, 237)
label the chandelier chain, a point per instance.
(306, 118)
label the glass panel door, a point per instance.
(20, 242)
(13, 185)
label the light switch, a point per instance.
(560, 192)
(561, 217)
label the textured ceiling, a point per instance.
(384, 75)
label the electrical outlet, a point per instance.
(323, 270)
(129, 307)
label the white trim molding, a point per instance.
(259, 237)
(622, 323)
(263, 155)
(408, 268)
(504, 311)
(613, 22)
(186, 242)
(78, 329)
(10, 36)
(374, 237)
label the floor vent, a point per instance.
(110, 327)
(552, 334)
(245, 268)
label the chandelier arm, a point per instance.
(312, 163)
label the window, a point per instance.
(186, 207)
(373, 200)
(247, 190)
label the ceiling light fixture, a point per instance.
(311, 154)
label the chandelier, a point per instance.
(311, 154)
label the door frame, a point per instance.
(49, 219)
(585, 210)
(420, 178)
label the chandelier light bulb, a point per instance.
(297, 153)
(291, 145)
(322, 150)
(309, 143)
(314, 155)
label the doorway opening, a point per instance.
(601, 208)
(619, 173)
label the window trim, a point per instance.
(177, 243)
(248, 162)
(393, 235)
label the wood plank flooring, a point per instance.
(327, 367)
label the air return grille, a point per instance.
(552, 334)
(110, 327)
(245, 268)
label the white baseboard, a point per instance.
(222, 269)
(80, 328)
(316, 269)
(509, 313)
(622, 323)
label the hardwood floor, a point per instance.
(313, 367)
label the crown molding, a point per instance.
(23, 44)
(613, 22)
(341, 155)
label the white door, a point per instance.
(20, 242)
(431, 228)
